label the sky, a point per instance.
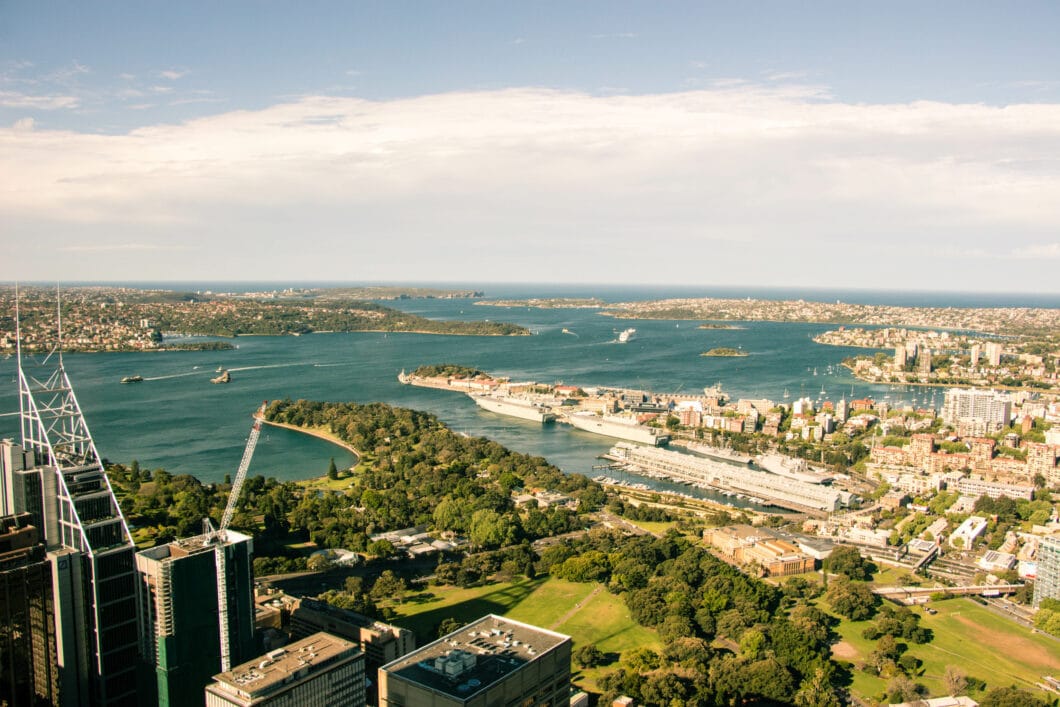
(898, 145)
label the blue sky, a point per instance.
(899, 145)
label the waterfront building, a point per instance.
(1047, 583)
(29, 667)
(56, 475)
(318, 671)
(899, 356)
(780, 490)
(490, 661)
(976, 412)
(198, 612)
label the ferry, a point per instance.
(522, 408)
(626, 335)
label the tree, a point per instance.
(817, 691)
(588, 656)
(388, 586)
(1011, 697)
(447, 626)
(319, 562)
(847, 560)
(902, 689)
(851, 599)
(333, 471)
(954, 679)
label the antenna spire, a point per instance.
(59, 319)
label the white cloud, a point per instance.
(122, 247)
(24, 124)
(173, 74)
(1049, 251)
(742, 181)
(14, 99)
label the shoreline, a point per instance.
(319, 434)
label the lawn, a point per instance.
(586, 612)
(966, 635)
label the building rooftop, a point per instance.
(284, 665)
(189, 546)
(476, 656)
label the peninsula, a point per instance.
(127, 319)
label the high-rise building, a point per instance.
(319, 671)
(1047, 583)
(899, 356)
(56, 475)
(974, 354)
(29, 668)
(195, 625)
(976, 412)
(493, 660)
(993, 353)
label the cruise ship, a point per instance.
(514, 407)
(619, 427)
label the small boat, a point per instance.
(225, 377)
(132, 379)
(626, 335)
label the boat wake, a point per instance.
(175, 375)
(271, 365)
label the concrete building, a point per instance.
(380, 642)
(29, 668)
(966, 533)
(491, 661)
(318, 671)
(993, 489)
(190, 633)
(993, 353)
(976, 412)
(1047, 583)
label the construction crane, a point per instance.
(209, 532)
(218, 538)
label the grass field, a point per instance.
(966, 635)
(586, 612)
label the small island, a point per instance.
(718, 325)
(724, 351)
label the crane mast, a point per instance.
(241, 474)
(218, 539)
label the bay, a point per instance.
(177, 420)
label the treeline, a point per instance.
(415, 471)
(449, 370)
(729, 638)
(236, 317)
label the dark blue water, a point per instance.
(177, 420)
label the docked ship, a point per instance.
(792, 468)
(626, 335)
(620, 427)
(720, 453)
(514, 407)
(132, 379)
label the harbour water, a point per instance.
(175, 419)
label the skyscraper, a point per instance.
(58, 477)
(185, 607)
(1047, 584)
(29, 669)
